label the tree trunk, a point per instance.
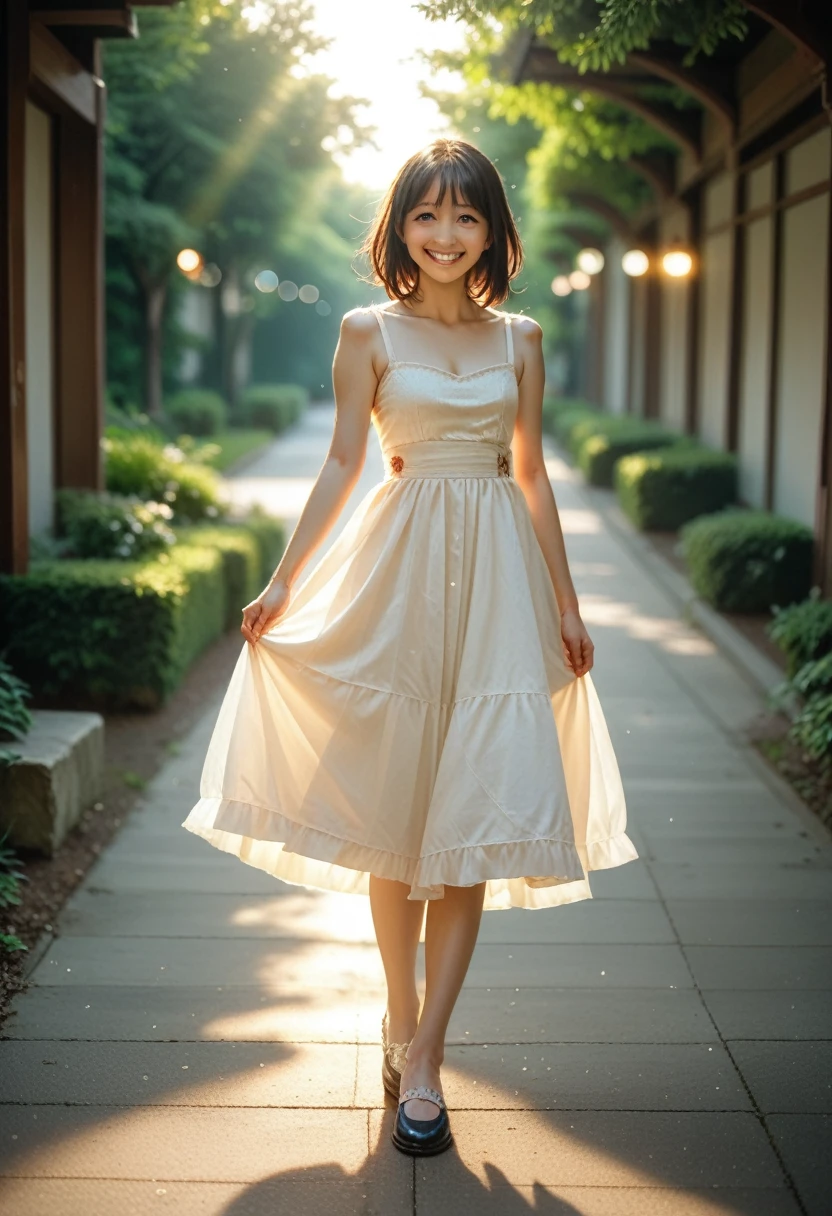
(155, 296)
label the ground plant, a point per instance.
(113, 526)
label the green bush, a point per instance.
(112, 633)
(662, 489)
(554, 408)
(748, 561)
(814, 678)
(271, 538)
(196, 411)
(812, 728)
(564, 422)
(803, 631)
(112, 526)
(597, 453)
(137, 464)
(242, 562)
(273, 407)
(15, 719)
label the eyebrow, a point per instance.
(459, 206)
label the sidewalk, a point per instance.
(202, 1039)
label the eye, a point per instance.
(426, 215)
(472, 218)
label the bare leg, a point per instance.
(452, 928)
(398, 924)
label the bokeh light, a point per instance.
(635, 263)
(211, 275)
(189, 261)
(266, 281)
(308, 294)
(590, 261)
(561, 285)
(288, 290)
(677, 263)
(323, 309)
(579, 280)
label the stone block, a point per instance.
(60, 771)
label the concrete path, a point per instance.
(202, 1039)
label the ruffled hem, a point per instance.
(305, 856)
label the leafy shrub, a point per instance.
(748, 561)
(271, 538)
(197, 411)
(119, 633)
(273, 407)
(564, 422)
(814, 678)
(812, 728)
(112, 526)
(554, 409)
(662, 489)
(15, 719)
(241, 556)
(803, 631)
(11, 876)
(137, 464)
(597, 453)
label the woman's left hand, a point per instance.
(577, 644)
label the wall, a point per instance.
(615, 352)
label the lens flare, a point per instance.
(266, 281)
(288, 290)
(590, 261)
(561, 285)
(677, 263)
(579, 280)
(308, 294)
(189, 261)
(635, 263)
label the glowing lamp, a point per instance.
(590, 261)
(579, 280)
(561, 285)
(635, 263)
(677, 263)
(189, 261)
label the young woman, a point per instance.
(415, 719)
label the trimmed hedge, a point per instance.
(138, 464)
(112, 526)
(112, 633)
(565, 422)
(197, 411)
(122, 634)
(554, 408)
(663, 489)
(598, 452)
(803, 631)
(748, 561)
(273, 407)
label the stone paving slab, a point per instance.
(188, 1144)
(178, 1074)
(804, 1143)
(605, 966)
(751, 922)
(760, 967)
(787, 1078)
(220, 874)
(439, 1199)
(678, 880)
(583, 1076)
(785, 850)
(613, 1148)
(764, 1014)
(194, 1014)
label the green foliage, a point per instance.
(241, 559)
(555, 410)
(748, 561)
(803, 631)
(15, 719)
(814, 677)
(662, 489)
(11, 876)
(564, 423)
(196, 411)
(598, 454)
(112, 526)
(812, 728)
(137, 464)
(274, 407)
(271, 538)
(120, 633)
(227, 447)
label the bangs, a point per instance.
(473, 182)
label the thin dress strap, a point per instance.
(388, 345)
(509, 341)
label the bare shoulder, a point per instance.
(526, 330)
(359, 327)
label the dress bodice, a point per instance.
(417, 402)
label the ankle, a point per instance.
(402, 1023)
(425, 1056)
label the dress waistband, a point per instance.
(447, 458)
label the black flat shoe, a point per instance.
(422, 1137)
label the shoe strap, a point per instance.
(425, 1092)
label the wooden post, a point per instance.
(14, 502)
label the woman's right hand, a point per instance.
(261, 614)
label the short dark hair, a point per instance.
(472, 180)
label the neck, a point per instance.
(445, 302)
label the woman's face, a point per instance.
(446, 241)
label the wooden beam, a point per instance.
(14, 497)
(699, 83)
(656, 168)
(681, 127)
(122, 19)
(803, 24)
(599, 206)
(53, 66)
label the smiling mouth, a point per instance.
(444, 259)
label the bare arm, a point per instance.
(530, 473)
(355, 378)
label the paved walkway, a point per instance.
(202, 1039)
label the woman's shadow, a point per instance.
(384, 1184)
